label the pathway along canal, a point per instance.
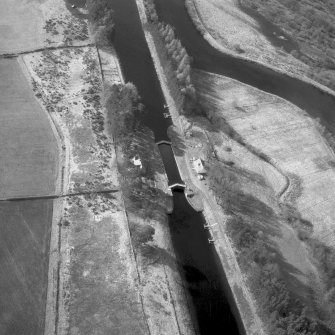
(199, 265)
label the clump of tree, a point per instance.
(121, 102)
(283, 311)
(100, 15)
(180, 60)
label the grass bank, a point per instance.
(311, 26)
(201, 13)
(272, 239)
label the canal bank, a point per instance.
(212, 213)
(137, 67)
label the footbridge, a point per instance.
(177, 186)
(164, 142)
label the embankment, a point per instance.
(244, 301)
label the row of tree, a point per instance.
(180, 60)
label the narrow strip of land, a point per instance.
(56, 196)
(17, 54)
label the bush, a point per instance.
(284, 313)
(100, 14)
(180, 60)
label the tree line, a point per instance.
(180, 60)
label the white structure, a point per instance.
(198, 166)
(137, 161)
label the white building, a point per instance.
(198, 166)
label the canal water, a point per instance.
(170, 164)
(204, 277)
(205, 57)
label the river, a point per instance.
(205, 57)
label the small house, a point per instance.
(137, 161)
(199, 166)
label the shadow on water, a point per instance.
(202, 270)
(204, 277)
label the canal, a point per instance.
(213, 305)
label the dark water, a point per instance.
(137, 66)
(201, 269)
(305, 96)
(170, 164)
(203, 273)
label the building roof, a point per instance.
(198, 166)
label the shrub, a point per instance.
(180, 60)
(100, 14)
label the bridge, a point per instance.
(177, 186)
(164, 142)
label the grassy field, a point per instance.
(311, 25)
(29, 153)
(98, 285)
(253, 133)
(238, 32)
(286, 135)
(118, 272)
(68, 84)
(30, 25)
(24, 254)
(101, 291)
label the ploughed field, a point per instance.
(29, 160)
(24, 252)
(28, 150)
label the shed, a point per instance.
(199, 166)
(137, 161)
